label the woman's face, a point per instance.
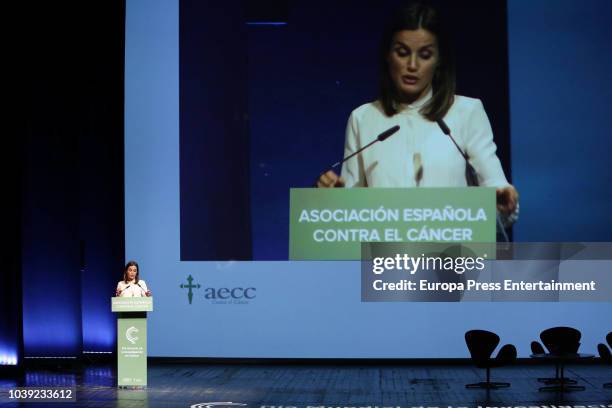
(131, 272)
(413, 58)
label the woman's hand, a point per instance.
(507, 200)
(330, 179)
(118, 292)
(148, 293)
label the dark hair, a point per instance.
(127, 265)
(412, 17)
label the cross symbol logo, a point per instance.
(190, 286)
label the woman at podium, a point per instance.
(132, 285)
(417, 92)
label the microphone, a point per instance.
(447, 132)
(470, 172)
(385, 135)
(470, 175)
(124, 289)
(141, 288)
(380, 138)
(443, 126)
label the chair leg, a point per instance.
(551, 381)
(557, 379)
(563, 385)
(488, 384)
(563, 388)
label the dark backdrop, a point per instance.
(65, 165)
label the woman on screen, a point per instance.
(132, 285)
(417, 92)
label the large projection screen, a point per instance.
(279, 309)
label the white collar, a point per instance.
(418, 104)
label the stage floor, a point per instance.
(321, 386)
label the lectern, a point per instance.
(131, 339)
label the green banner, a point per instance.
(330, 224)
(132, 351)
(132, 339)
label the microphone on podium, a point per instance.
(124, 289)
(470, 172)
(380, 138)
(144, 292)
(471, 176)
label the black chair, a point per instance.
(606, 356)
(564, 343)
(481, 344)
(561, 340)
(537, 348)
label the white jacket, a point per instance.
(131, 289)
(391, 163)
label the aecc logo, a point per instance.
(227, 293)
(220, 295)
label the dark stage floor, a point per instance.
(321, 386)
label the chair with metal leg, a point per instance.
(481, 344)
(563, 344)
(537, 348)
(606, 356)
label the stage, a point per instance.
(324, 385)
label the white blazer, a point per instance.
(131, 289)
(391, 163)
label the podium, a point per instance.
(131, 339)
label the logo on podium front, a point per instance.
(130, 334)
